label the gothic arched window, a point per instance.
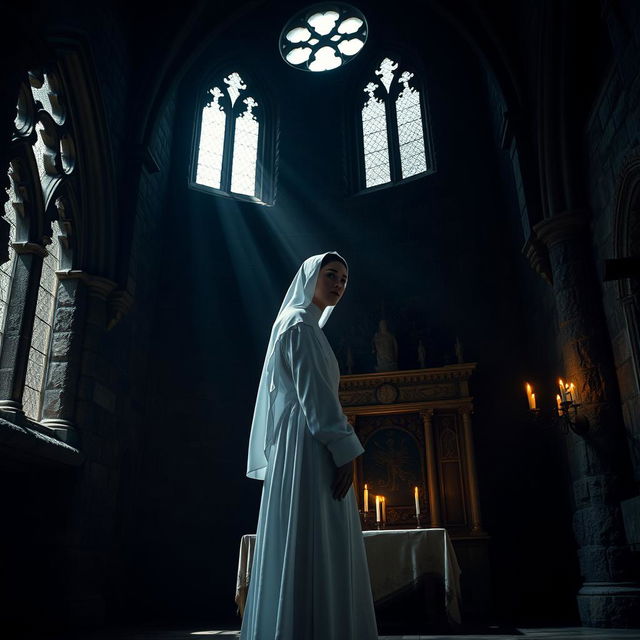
(395, 142)
(234, 154)
(43, 155)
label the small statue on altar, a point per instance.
(422, 354)
(385, 347)
(459, 353)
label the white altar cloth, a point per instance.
(397, 559)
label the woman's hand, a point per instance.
(342, 480)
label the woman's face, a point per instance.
(330, 285)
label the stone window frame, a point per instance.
(267, 161)
(354, 138)
(43, 200)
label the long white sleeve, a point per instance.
(317, 395)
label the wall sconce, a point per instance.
(565, 414)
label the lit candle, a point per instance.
(530, 397)
(383, 501)
(559, 403)
(415, 495)
(377, 508)
(366, 499)
(570, 392)
(562, 390)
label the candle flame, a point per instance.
(365, 486)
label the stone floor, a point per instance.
(491, 633)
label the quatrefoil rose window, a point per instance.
(323, 37)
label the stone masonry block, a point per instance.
(61, 344)
(594, 565)
(596, 525)
(594, 490)
(57, 377)
(64, 319)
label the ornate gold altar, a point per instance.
(416, 429)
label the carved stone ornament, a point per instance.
(387, 393)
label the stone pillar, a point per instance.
(19, 323)
(432, 475)
(470, 469)
(59, 403)
(600, 466)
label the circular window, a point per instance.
(323, 37)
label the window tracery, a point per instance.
(395, 142)
(233, 152)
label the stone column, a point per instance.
(470, 469)
(19, 323)
(600, 466)
(432, 475)
(59, 403)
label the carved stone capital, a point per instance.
(465, 409)
(538, 257)
(97, 285)
(119, 301)
(29, 247)
(427, 416)
(561, 227)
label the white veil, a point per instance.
(298, 297)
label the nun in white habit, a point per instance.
(309, 579)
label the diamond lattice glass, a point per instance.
(245, 151)
(375, 140)
(214, 120)
(410, 132)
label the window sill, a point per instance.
(22, 447)
(391, 185)
(240, 197)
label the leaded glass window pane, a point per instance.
(375, 140)
(42, 327)
(410, 130)
(6, 269)
(245, 151)
(211, 149)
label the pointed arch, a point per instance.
(234, 152)
(394, 134)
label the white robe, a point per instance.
(309, 579)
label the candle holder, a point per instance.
(565, 416)
(366, 518)
(380, 525)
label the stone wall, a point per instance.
(612, 141)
